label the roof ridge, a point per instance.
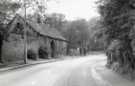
(42, 29)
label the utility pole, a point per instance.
(25, 33)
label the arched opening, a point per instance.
(52, 48)
(43, 54)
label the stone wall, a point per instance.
(13, 49)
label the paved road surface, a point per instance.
(81, 71)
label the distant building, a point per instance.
(42, 41)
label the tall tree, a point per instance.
(55, 20)
(96, 39)
(77, 33)
(7, 9)
(118, 21)
(35, 9)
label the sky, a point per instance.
(73, 9)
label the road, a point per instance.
(81, 71)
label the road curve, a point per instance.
(79, 71)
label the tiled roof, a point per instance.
(45, 30)
(42, 29)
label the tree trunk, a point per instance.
(127, 54)
(121, 53)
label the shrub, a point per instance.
(31, 55)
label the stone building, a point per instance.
(42, 41)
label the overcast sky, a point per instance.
(73, 9)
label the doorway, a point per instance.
(52, 48)
(43, 54)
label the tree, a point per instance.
(55, 20)
(77, 33)
(96, 41)
(118, 21)
(7, 9)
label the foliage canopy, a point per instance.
(117, 19)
